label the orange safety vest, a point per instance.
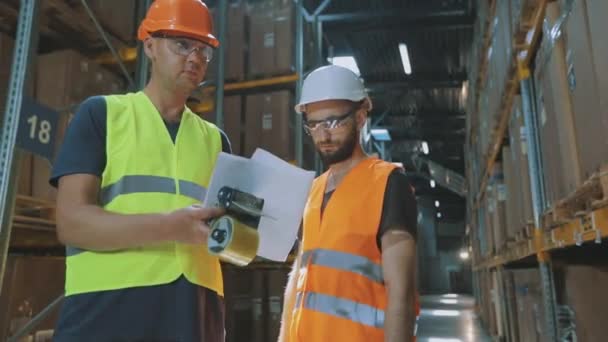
(340, 293)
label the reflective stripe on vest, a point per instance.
(344, 261)
(142, 183)
(340, 307)
(138, 184)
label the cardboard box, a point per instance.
(583, 291)
(235, 43)
(560, 110)
(548, 137)
(233, 126)
(30, 285)
(499, 219)
(64, 79)
(598, 26)
(590, 126)
(268, 124)
(519, 157)
(271, 37)
(511, 300)
(117, 17)
(530, 309)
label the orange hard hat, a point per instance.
(189, 18)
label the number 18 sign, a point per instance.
(37, 127)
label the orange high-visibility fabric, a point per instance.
(341, 295)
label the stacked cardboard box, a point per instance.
(267, 120)
(583, 291)
(271, 37)
(487, 303)
(511, 303)
(235, 43)
(596, 14)
(590, 119)
(530, 309)
(233, 126)
(64, 79)
(30, 285)
(499, 195)
(556, 116)
(117, 17)
(515, 160)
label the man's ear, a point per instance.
(361, 118)
(149, 48)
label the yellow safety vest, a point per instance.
(147, 173)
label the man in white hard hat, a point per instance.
(354, 276)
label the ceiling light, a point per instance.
(405, 59)
(464, 255)
(439, 215)
(380, 134)
(450, 295)
(436, 204)
(347, 62)
(433, 184)
(448, 301)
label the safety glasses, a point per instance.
(185, 46)
(330, 124)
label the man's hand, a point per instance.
(189, 225)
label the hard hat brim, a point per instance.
(301, 107)
(179, 30)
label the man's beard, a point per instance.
(343, 152)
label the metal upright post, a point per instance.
(24, 51)
(319, 62)
(142, 63)
(300, 71)
(538, 199)
(222, 7)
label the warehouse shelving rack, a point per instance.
(14, 208)
(589, 227)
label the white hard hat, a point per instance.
(332, 82)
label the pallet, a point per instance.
(591, 195)
(34, 224)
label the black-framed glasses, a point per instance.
(185, 46)
(330, 124)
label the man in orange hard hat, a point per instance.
(354, 276)
(131, 174)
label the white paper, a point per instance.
(284, 188)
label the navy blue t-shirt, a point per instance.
(179, 311)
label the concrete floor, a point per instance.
(449, 318)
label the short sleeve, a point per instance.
(83, 147)
(399, 210)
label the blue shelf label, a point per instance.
(37, 129)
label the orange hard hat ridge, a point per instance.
(189, 18)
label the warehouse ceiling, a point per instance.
(426, 105)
